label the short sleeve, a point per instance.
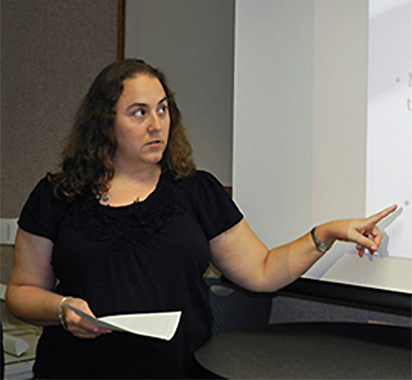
(37, 216)
(216, 210)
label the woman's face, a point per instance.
(142, 122)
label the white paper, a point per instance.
(156, 325)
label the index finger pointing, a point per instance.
(382, 214)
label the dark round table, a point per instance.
(320, 350)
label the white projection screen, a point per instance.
(323, 127)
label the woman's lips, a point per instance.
(154, 143)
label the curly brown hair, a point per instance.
(87, 157)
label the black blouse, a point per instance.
(149, 256)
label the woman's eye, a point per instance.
(163, 109)
(139, 113)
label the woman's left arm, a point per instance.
(244, 259)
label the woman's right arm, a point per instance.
(29, 291)
(30, 296)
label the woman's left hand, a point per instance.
(364, 232)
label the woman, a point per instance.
(130, 226)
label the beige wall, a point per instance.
(50, 52)
(192, 42)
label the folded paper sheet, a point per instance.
(156, 325)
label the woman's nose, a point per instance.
(154, 122)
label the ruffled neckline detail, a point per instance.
(131, 225)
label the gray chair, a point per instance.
(234, 307)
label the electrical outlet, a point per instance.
(8, 230)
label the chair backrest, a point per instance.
(234, 307)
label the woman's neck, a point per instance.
(128, 186)
(134, 172)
